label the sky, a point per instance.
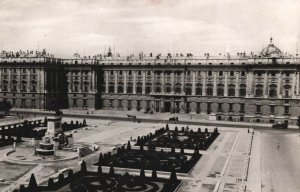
(89, 27)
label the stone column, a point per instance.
(265, 88)
(172, 82)
(9, 80)
(19, 80)
(279, 85)
(183, 82)
(153, 82)
(293, 85)
(215, 84)
(203, 74)
(106, 81)
(134, 82)
(297, 84)
(144, 83)
(116, 81)
(237, 84)
(92, 81)
(194, 83)
(163, 82)
(81, 81)
(125, 82)
(249, 88)
(226, 84)
(28, 81)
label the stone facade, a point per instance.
(254, 88)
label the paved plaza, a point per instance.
(237, 160)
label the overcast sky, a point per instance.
(159, 26)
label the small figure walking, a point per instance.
(278, 146)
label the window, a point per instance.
(231, 73)
(148, 88)
(129, 72)
(168, 88)
(198, 107)
(120, 88)
(243, 73)
(129, 104)
(230, 107)
(273, 90)
(259, 91)
(220, 90)
(111, 72)
(272, 109)
(259, 74)
(139, 72)
(231, 90)
(138, 105)
(242, 107)
(209, 90)
(273, 74)
(220, 73)
(74, 102)
(188, 89)
(139, 88)
(242, 90)
(220, 108)
(33, 103)
(208, 108)
(177, 88)
(209, 73)
(258, 109)
(120, 72)
(111, 103)
(84, 103)
(129, 88)
(198, 89)
(157, 87)
(111, 87)
(286, 110)
(149, 72)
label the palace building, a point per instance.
(256, 88)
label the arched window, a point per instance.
(139, 88)
(220, 90)
(111, 87)
(129, 88)
(148, 88)
(168, 88)
(209, 90)
(273, 90)
(242, 90)
(188, 89)
(86, 86)
(158, 87)
(231, 90)
(258, 90)
(120, 87)
(177, 88)
(199, 89)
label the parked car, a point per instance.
(280, 125)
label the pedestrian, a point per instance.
(278, 146)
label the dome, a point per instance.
(271, 50)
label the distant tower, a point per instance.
(109, 54)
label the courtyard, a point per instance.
(236, 160)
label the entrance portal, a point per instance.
(167, 106)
